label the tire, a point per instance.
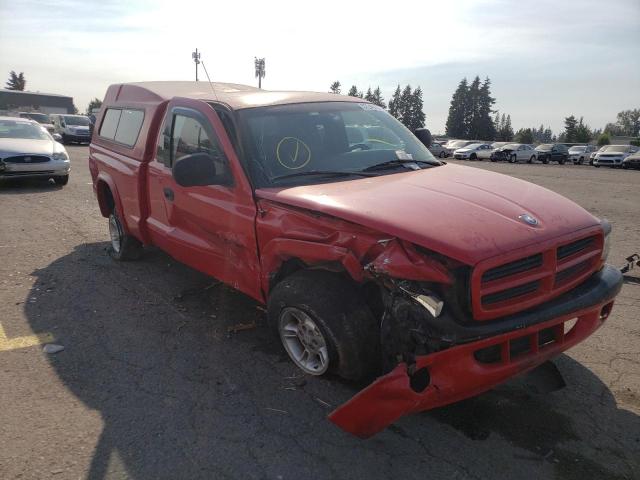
(533, 157)
(545, 159)
(581, 161)
(61, 180)
(64, 139)
(597, 166)
(473, 156)
(625, 166)
(123, 247)
(561, 161)
(442, 154)
(345, 323)
(513, 159)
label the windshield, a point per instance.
(511, 146)
(76, 120)
(498, 144)
(545, 146)
(337, 137)
(38, 117)
(577, 149)
(24, 130)
(473, 146)
(615, 148)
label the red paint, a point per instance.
(417, 225)
(455, 375)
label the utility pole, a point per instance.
(260, 71)
(196, 59)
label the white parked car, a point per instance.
(437, 150)
(613, 155)
(454, 145)
(579, 153)
(514, 152)
(474, 151)
(27, 150)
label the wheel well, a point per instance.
(106, 201)
(370, 290)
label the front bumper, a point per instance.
(77, 138)
(469, 369)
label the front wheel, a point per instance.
(581, 161)
(324, 325)
(123, 247)
(442, 154)
(61, 180)
(473, 157)
(512, 159)
(561, 160)
(533, 157)
(545, 159)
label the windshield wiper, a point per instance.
(397, 162)
(327, 173)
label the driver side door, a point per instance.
(208, 227)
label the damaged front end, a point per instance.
(434, 359)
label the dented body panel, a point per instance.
(465, 266)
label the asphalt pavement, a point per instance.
(157, 380)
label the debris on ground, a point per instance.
(52, 348)
(239, 327)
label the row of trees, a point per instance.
(406, 104)
(16, 81)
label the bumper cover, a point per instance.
(456, 373)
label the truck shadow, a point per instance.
(148, 345)
(21, 186)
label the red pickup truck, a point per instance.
(375, 260)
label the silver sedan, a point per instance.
(27, 150)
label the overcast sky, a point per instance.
(546, 59)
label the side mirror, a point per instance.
(197, 169)
(57, 137)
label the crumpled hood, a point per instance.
(79, 128)
(16, 146)
(462, 212)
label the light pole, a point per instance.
(260, 71)
(196, 59)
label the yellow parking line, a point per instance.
(22, 342)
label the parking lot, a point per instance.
(166, 374)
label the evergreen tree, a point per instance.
(486, 129)
(455, 126)
(604, 139)
(496, 123)
(472, 110)
(369, 95)
(570, 124)
(583, 132)
(394, 103)
(378, 99)
(417, 116)
(404, 106)
(16, 81)
(95, 103)
(335, 87)
(524, 135)
(353, 91)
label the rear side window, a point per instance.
(122, 125)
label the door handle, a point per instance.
(168, 193)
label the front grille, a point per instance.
(499, 289)
(565, 251)
(510, 293)
(27, 159)
(512, 268)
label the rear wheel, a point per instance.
(324, 325)
(545, 159)
(561, 160)
(581, 160)
(533, 157)
(123, 247)
(625, 166)
(442, 154)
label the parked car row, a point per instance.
(71, 128)
(623, 156)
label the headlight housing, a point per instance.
(60, 156)
(606, 226)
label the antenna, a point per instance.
(210, 83)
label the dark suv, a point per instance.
(554, 152)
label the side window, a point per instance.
(129, 127)
(122, 125)
(110, 123)
(164, 143)
(190, 136)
